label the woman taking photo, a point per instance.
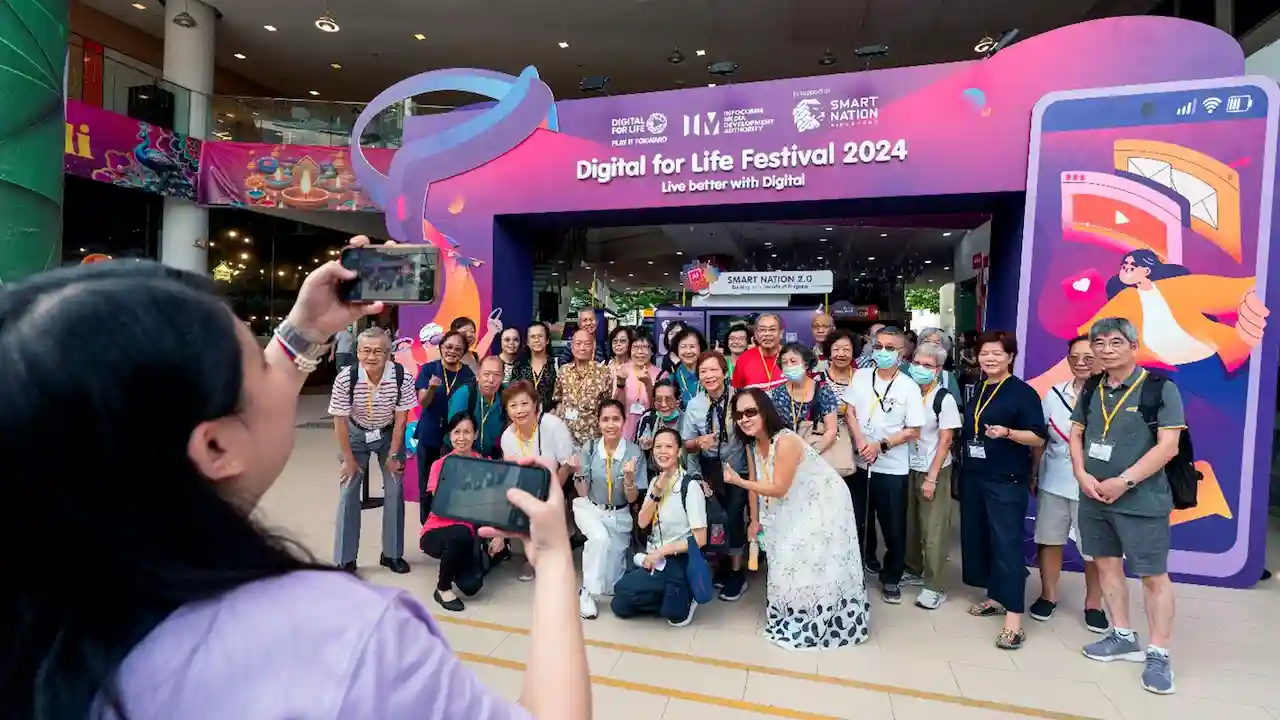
(509, 352)
(635, 383)
(1000, 429)
(609, 475)
(676, 508)
(454, 542)
(805, 405)
(196, 610)
(538, 368)
(437, 381)
(689, 345)
(804, 518)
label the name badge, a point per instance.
(867, 428)
(977, 450)
(1101, 450)
(570, 414)
(373, 436)
(637, 409)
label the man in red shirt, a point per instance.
(758, 366)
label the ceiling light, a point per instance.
(231, 233)
(564, 46)
(947, 267)
(631, 274)
(774, 255)
(280, 273)
(822, 240)
(650, 262)
(819, 257)
(238, 56)
(679, 252)
(884, 234)
(666, 273)
(184, 20)
(700, 53)
(419, 36)
(269, 28)
(335, 66)
(828, 59)
(213, 244)
(140, 6)
(247, 240)
(610, 262)
(244, 256)
(314, 92)
(676, 57)
(231, 116)
(873, 257)
(928, 262)
(828, 229)
(711, 84)
(555, 274)
(326, 23)
(946, 234)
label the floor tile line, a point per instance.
(667, 693)
(784, 673)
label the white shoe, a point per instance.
(587, 605)
(693, 605)
(930, 599)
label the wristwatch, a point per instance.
(884, 446)
(306, 355)
(1129, 484)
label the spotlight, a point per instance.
(184, 20)
(676, 57)
(870, 51)
(326, 23)
(595, 83)
(828, 59)
(724, 68)
(1005, 39)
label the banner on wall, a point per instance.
(297, 177)
(1155, 203)
(112, 148)
(772, 283)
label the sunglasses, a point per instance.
(746, 413)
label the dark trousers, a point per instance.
(427, 455)
(665, 593)
(341, 360)
(877, 496)
(734, 501)
(455, 547)
(992, 509)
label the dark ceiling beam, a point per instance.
(1113, 8)
(1267, 32)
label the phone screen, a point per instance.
(397, 274)
(475, 490)
(1154, 203)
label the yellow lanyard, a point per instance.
(448, 386)
(924, 393)
(768, 376)
(608, 477)
(797, 406)
(526, 447)
(484, 415)
(1102, 398)
(980, 407)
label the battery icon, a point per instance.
(1239, 103)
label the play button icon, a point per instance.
(1121, 219)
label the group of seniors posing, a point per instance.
(812, 454)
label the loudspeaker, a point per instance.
(152, 104)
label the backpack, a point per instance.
(1181, 471)
(717, 518)
(938, 398)
(355, 376)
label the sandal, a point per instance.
(988, 608)
(1010, 640)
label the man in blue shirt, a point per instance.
(482, 402)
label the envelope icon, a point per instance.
(1210, 187)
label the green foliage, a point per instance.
(926, 299)
(624, 301)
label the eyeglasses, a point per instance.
(371, 352)
(746, 413)
(664, 400)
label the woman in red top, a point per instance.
(454, 542)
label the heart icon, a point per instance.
(1081, 285)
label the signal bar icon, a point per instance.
(1211, 104)
(1188, 109)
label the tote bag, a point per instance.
(840, 455)
(698, 573)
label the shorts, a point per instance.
(1057, 520)
(1142, 541)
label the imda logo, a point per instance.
(702, 124)
(656, 123)
(807, 115)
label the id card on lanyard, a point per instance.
(867, 425)
(371, 436)
(1101, 448)
(977, 448)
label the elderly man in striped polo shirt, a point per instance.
(370, 404)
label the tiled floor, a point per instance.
(919, 664)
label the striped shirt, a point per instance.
(376, 409)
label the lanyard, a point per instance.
(768, 376)
(980, 407)
(682, 374)
(797, 406)
(1108, 417)
(526, 447)
(449, 384)
(924, 393)
(484, 416)
(608, 476)
(881, 397)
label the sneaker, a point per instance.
(1042, 609)
(1114, 647)
(891, 594)
(720, 578)
(526, 573)
(734, 587)
(1096, 621)
(1157, 673)
(693, 605)
(873, 566)
(930, 599)
(587, 605)
(912, 580)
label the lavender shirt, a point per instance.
(305, 645)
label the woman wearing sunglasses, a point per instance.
(803, 515)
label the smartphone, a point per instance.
(393, 274)
(474, 490)
(1155, 203)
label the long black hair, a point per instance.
(1157, 270)
(117, 363)
(768, 414)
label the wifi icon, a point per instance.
(1211, 103)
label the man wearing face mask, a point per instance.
(885, 413)
(864, 359)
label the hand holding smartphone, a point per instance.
(475, 490)
(392, 274)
